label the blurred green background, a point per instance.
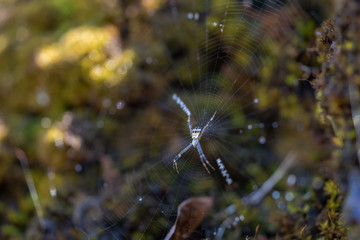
(79, 93)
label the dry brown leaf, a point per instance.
(190, 214)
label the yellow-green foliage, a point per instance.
(94, 49)
(331, 225)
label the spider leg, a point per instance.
(179, 156)
(203, 159)
(212, 116)
(182, 105)
(207, 124)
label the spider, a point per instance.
(195, 134)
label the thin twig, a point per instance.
(221, 230)
(20, 154)
(355, 108)
(255, 197)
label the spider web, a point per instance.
(210, 54)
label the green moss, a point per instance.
(331, 224)
(11, 231)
